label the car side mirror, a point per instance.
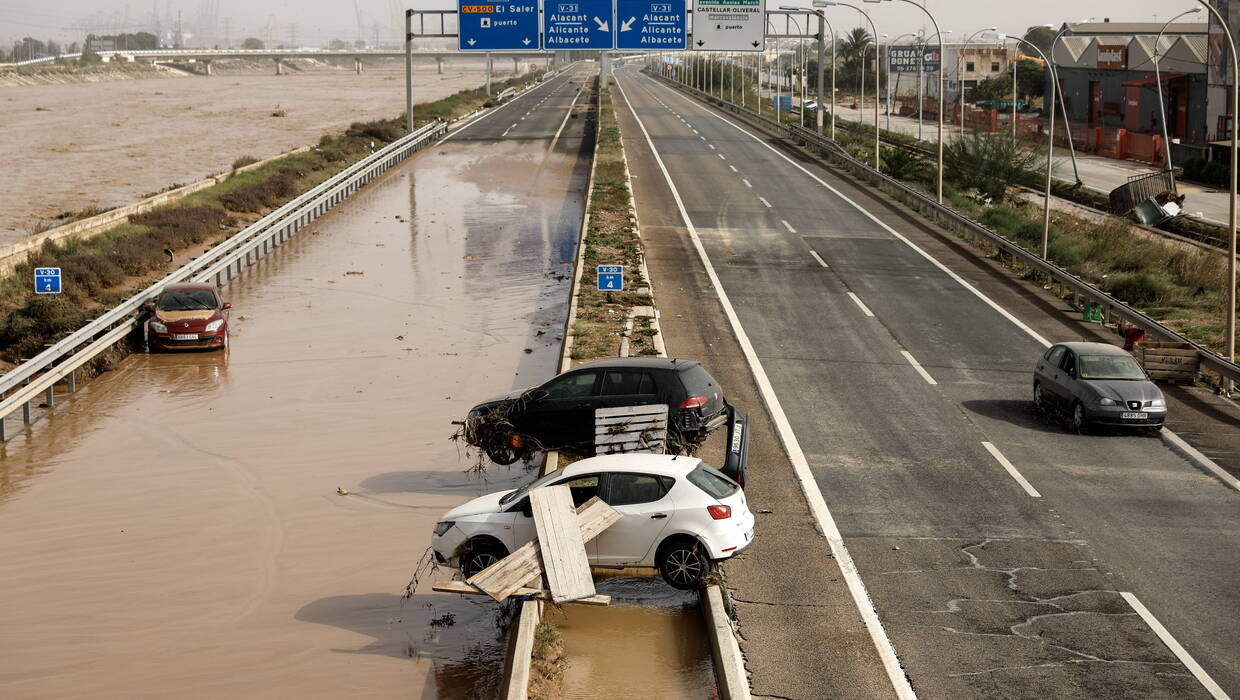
(227, 305)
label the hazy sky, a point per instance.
(317, 21)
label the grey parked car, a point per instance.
(1097, 384)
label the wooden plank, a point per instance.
(1169, 352)
(643, 409)
(466, 589)
(516, 570)
(639, 418)
(563, 552)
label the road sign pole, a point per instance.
(489, 65)
(409, 71)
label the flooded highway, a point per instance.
(177, 527)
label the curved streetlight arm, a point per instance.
(1162, 106)
(1067, 125)
(942, 84)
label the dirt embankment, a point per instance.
(103, 73)
(100, 145)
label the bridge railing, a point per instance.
(39, 374)
(1113, 307)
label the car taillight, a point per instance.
(720, 512)
(694, 402)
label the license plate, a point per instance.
(1134, 416)
(185, 336)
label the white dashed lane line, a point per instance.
(763, 200)
(917, 366)
(712, 146)
(864, 309)
(747, 183)
(1003, 461)
(722, 157)
(814, 254)
(733, 167)
(787, 225)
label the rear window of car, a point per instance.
(698, 381)
(627, 382)
(712, 481)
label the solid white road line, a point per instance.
(1192, 454)
(813, 495)
(567, 114)
(917, 366)
(1028, 487)
(787, 225)
(989, 302)
(822, 262)
(864, 309)
(1180, 652)
(747, 183)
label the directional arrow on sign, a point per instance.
(471, 42)
(526, 41)
(627, 25)
(700, 42)
(602, 26)
(755, 44)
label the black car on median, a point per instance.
(560, 412)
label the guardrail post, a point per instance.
(73, 382)
(51, 395)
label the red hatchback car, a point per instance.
(188, 316)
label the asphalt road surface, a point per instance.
(175, 529)
(1004, 555)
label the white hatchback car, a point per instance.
(679, 515)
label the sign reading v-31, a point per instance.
(497, 26)
(577, 24)
(650, 25)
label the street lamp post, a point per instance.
(1162, 107)
(939, 33)
(409, 71)
(959, 77)
(1063, 106)
(822, 37)
(874, 33)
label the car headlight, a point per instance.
(215, 325)
(158, 327)
(442, 528)
(1158, 403)
(1104, 401)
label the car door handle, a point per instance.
(658, 516)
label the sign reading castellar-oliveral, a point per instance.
(729, 25)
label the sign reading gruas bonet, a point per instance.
(729, 25)
(911, 59)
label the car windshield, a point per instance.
(520, 493)
(1110, 367)
(187, 300)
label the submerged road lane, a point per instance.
(993, 545)
(175, 529)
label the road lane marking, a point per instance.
(917, 366)
(989, 302)
(733, 167)
(1011, 470)
(722, 157)
(712, 146)
(763, 199)
(822, 262)
(747, 183)
(787, 225)
(567, 114)
(1180, 652)
(864, 309)
(813, 495)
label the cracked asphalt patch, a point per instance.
(1014, 618)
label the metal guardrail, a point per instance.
(1115, 309)
(40, 374)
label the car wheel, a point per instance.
(1039, 398)
(1078, 417)
(480, 556)
(502, 455)
(682, 563)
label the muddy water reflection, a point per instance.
(650, 643)
(175, 529)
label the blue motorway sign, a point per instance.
(650, 25)
(497, 26)
(47, 280)
(577, 24)
(611, 278)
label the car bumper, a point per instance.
(732, 541)
(1113, 416)
(446, 548)
(204, 341)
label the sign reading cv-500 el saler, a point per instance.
(497, 26)
(650, 25)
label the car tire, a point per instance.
(682, 563)
(1079, 422)
(480, 555)
(1039, 397)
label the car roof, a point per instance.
(1081, 348)
(671, 363)
(187, 286)
(670, 465)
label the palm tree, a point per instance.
(855, 45)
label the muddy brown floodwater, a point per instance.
(175, 528)
(69, 147)
(649, 643)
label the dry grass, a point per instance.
(548, 664)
